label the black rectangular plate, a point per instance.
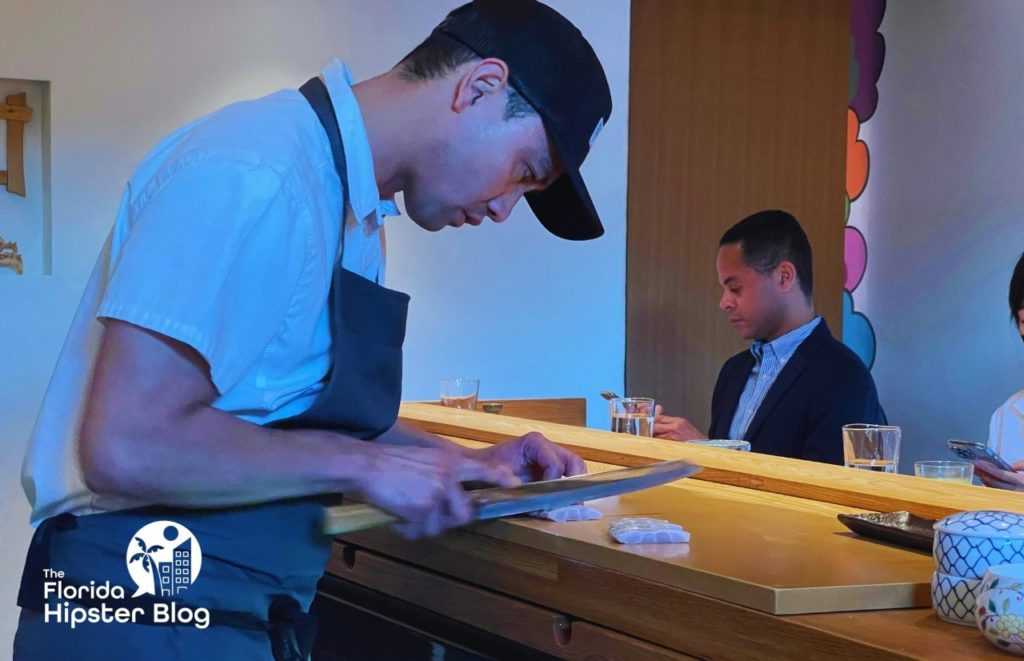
(901, 528)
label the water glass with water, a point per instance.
(872, 447)
(632, 415)
(460, 392)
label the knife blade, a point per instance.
(531, 497)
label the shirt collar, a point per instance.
(1019, 402)
(786, 345)
(363, 194)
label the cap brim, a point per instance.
(565, 209)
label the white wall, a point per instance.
(527, 313)
(943, 216)
(538, 316)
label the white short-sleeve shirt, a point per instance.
(1006, 429)
(226, 240)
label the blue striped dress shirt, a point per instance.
(769, 359)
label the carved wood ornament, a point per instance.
(17, 114)
(10, 258)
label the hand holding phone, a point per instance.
(973, 451)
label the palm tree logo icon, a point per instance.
(146, 556)
(164, 559)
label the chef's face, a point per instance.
(1020, 320)
(482, 165)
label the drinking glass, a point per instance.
(952, 471)
(460, 392)
(632, 415)
(872, 447)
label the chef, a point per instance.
(235, 356)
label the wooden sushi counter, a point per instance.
(769, 572)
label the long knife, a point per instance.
(531, 497)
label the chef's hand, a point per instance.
(421, 485)
(991, 476)
(675, 429)
(531, 457)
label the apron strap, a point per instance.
(319, 98)
(292, 631)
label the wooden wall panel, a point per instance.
(735, 106)
(563, 410)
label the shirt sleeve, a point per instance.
(210, 258)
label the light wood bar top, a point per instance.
(765, 544)
(766, 555)
(858, 489)
(775, 553)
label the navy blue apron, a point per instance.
(260, 563)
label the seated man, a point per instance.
(793, 390)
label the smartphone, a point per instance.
(973, 451)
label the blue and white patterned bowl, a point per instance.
(953, 598)
(968, 543)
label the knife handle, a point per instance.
(342, 519)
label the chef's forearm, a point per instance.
(208, 458)
(403, 433)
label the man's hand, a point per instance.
(421, 485)
(991, 476)
(675, 429)
(531, 457)
(419, 474)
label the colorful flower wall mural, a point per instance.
(866, 61)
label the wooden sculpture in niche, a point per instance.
(10, 258)
(14, 110)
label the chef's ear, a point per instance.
(485, 80)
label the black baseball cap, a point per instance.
(556, 71)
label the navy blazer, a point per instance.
(823, 387)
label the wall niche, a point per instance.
(25, 232)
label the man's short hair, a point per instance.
(1017, 289)
(768, 238)
(439, 55)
